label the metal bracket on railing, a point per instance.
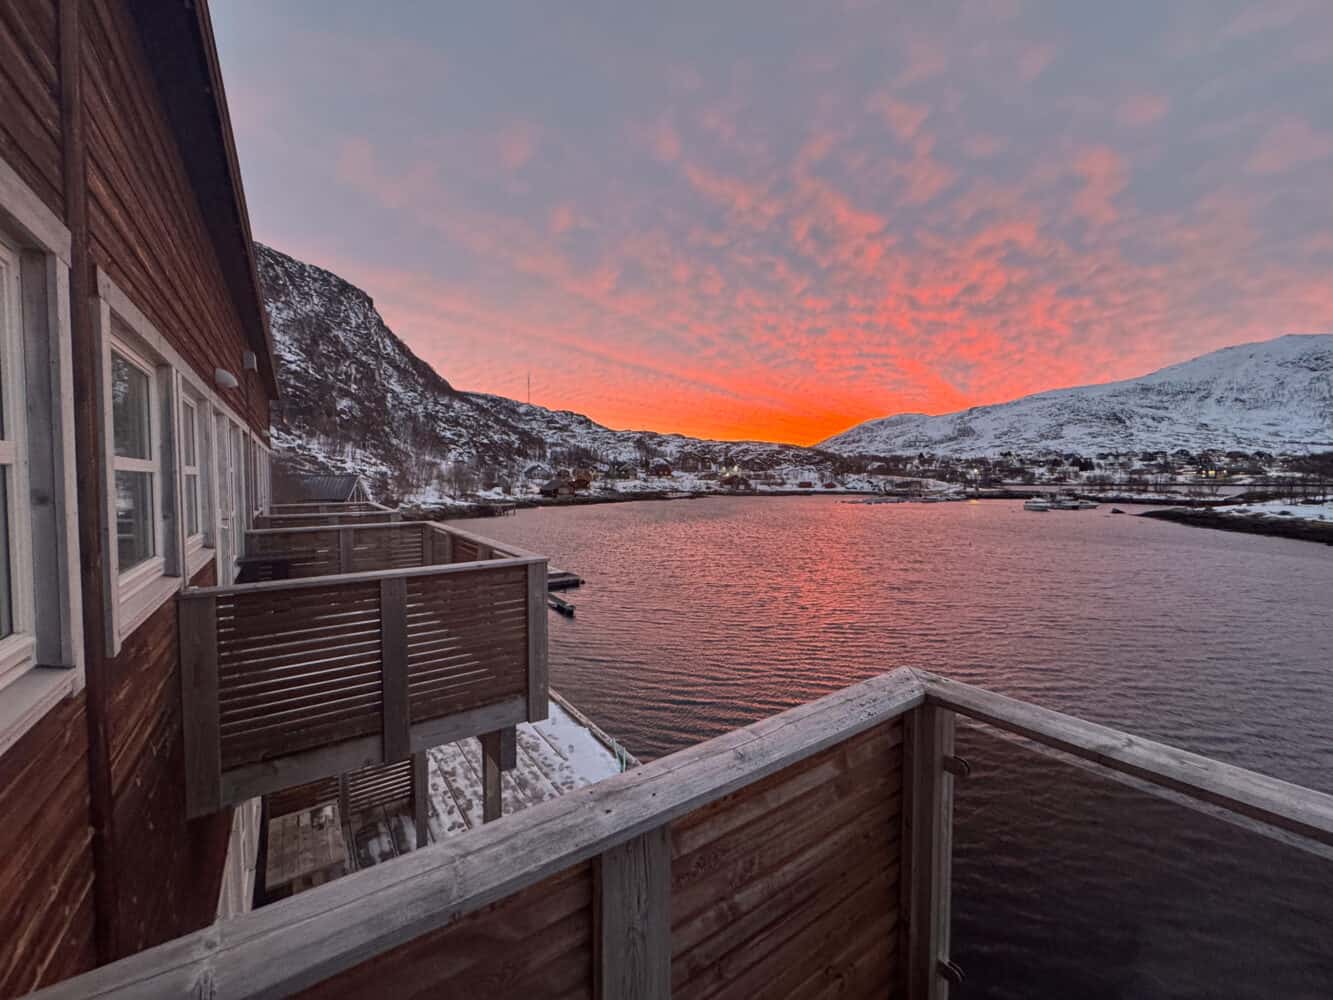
(957, 766)
(950, 972)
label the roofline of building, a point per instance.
(178, 38)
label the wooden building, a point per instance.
(150, 701)
(137, 377)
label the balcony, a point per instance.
(360, 643)
(807, 854)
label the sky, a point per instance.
(774, 220)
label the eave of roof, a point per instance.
(178, 37)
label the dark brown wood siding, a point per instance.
(169, 870)
(46, 907)
(145, 224)
(786, 888)
(534, 944)
(789, 887)
(30, 140)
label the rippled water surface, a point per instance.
(703, 615)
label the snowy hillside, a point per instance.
(1274, 396)
(356, 399)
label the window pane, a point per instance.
(187, 432)
(6, 589)
(131, 409)
(134, 518)
(192, 505)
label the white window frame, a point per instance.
(18, 649)
(46, 589)
(141, 590)
(198, 545)
(119, 320)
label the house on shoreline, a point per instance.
(208, 699)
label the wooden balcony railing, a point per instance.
(804, 854)
(288, 681)
(319, 550)
(323, 507)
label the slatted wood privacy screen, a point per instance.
(323, 551)
(785, 888)
(805, 855)
(355, 507)
(312, 520)
(291, 681)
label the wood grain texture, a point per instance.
(46, 908)
(769, 882)
(168, 866)
(30, 132)
(536, 943)
(146, 227)
(317, 936)
(633, 944)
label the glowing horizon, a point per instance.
(769, 222)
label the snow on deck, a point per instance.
(554, 757)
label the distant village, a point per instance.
(580, 473)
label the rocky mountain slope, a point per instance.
(356, 399)
(1274, 396)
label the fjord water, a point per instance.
(703, 615)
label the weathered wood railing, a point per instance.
(327, 507)
(320, 550)
(274, 520)
(288, 681)
(800, 855)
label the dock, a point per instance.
(562, 579)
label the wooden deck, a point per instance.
(556, 756)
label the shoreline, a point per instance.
(483, 509)
(1251, 524)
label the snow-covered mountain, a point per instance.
(356, 399)
(1274, 396)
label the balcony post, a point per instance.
(632, 897)
(393, 669)
(420, 798)
(927, 850)
(539, 684)
(499, 753)
(197, 624)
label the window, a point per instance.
(16, 640)
(136, 463)
(41, 636)
(190, 469)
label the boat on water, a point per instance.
(1037, 503)
(1072, 503)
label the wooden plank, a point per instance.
(1289, 807)
(199, 707)
(261, 778)
(484, 569)
(539, 677)
(492, 754)
(393, 660)
(927, 838)
(633, 898)
(315, 936)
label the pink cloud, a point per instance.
(1142, 109)
(903, 117)
(517, 144)
(1290, 143)
(1104, 176)
(1034, 60)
